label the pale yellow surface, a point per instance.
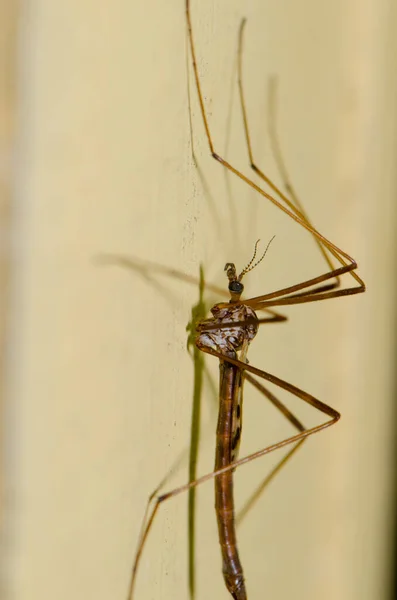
(98, 381)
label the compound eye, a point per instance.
(236, 287)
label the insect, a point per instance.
(227, 335)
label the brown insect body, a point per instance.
(231, 341)
(224, 498)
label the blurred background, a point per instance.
(105, 221)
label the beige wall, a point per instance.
(7, 107)
(97, 380)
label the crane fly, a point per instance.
(227, 335)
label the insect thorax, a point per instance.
(228, 340)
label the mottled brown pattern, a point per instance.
(228, 339)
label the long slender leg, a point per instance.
(254, 497)
(347, 262)
(308, 398)
(311, 400)
(266, 301)
(293, 202)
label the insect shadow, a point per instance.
(152, 273)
